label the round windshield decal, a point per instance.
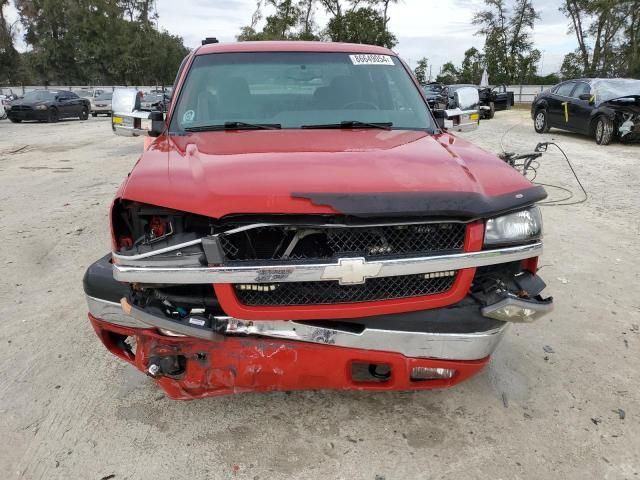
(188, 116)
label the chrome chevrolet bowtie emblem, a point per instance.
(351, 271)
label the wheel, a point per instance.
(604, 131)
(541, 123)
(492, 110)
(53, 115)
(84, 114)
(94, 114)
(15, 120)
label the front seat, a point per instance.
(234, 99)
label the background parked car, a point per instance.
(502, 99)
(102, 104)
(604, 108)
(154, 101)
(7, 94)
(437, 96)
(49, 105)
(89, 94)
(491, 98)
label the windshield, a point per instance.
(104, 96)
(39, 95)
(605, 90)
(83, 93)
(432, 89)
(295, 89)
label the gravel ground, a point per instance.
(550, 405)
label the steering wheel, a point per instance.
(362, 103)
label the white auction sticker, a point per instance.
(370, 59)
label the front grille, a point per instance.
(21, 108)
(314, 243)
(319, 293)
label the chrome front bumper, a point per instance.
(345, 267)
(445, 346)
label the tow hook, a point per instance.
(168, 365)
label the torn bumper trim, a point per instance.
(422, 344)
(321, 271)
(233, 365)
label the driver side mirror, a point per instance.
(127, 121)
(586, 96)
(464, 118)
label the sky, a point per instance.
(440, 30)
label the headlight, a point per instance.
(515, 227)
(41, 107)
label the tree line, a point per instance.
(117, 41)
(607, 33)
(354, 21)
(88, 42)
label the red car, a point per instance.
(303, 220)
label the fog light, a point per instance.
(428, 373)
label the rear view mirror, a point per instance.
(128, 121)
(464, 118)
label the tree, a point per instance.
(508, 49)
(472, 66)
(600, 27)
(364, 25)
(385, 11)
(421, 70)
(292, 20)
(94, 41)
(9, 56)
(142, 11)
(307, 8)
(448, 74)
(631, 48)
(572, 66)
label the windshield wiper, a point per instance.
(353, 124)
(235, 126)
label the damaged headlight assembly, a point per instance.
(517, 227)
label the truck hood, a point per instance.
(351, 171)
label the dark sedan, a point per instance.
(49, 106)
(606, 109)
(154, 101)
(437, 96)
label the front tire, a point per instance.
(54, 116)
(492, 110)
(604, 131)
(84, 115)
(541, 121)
(94, 114)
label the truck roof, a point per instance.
(292, 46)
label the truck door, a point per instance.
(558, 103)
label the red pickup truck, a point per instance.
(303, 220)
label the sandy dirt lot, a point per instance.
(551, 404)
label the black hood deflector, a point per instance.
(463, 205)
